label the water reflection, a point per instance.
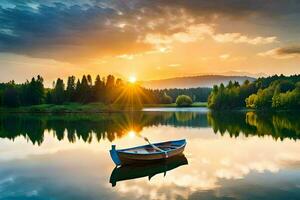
(113, 126)
(243, 155)
(278, 125)
(146, 170)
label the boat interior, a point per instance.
(149, 149)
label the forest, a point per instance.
(107, 90)
(274, 92)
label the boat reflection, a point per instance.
(149, 170)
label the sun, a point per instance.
(132, 134)
(132, 79)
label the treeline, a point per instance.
(107, 90)
(169, 95)
(28, 93)
(275, 92)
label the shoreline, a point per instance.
(94, 108)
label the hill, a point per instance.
(194, 81)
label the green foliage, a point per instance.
(281, 94)
(276, 92)
(71, 89)
(231, 96)
(184, 100)
(11, 97)
(278, 125)
(95, 127)
(288, 100)
(98, 89)
(197, 94)
(59, 92)
(166, 99)
(29, 93)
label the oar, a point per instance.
(155, 147)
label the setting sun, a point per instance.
(132, 79)
(131, 134)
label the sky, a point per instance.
(149, 39)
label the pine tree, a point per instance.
(59, 92)
(71, 89)
(98, 89)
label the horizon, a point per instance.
(149, 40)
(135, 80)
(235, 74)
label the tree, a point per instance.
(109, 87)
(251, 101)
(110, 81)
(85, 90)
(59, 92)
(184, 100)
(1, 97)
(89, 79)
(71, 89)
(246, 82)
(32, 93)
(166, 99)
(49, 98)
(40, 90)
(11, 97)
(98, 89)
(77, 91)
(287, 100)
(230, 85)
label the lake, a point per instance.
(229, 155)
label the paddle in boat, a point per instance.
(147, 153)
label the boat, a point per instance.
(128, 172)
(147, 153)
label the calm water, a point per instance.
(229, 155)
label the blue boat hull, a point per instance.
(147, 153)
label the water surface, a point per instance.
(229, 155)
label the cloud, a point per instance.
(190, 34)
(232, 8)
(81, 30)
(126, 56)
(66, 33)
(239, 38)
(174, 65)
(224, 56)
(283, 52)
(197, 32)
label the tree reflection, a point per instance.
(86, 127)
(279, 125)
(96, 127)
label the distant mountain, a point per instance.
(194, 81)
(242, 73)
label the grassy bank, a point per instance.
(68, 108)
(84, 108)
(173, 105)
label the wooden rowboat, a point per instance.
(128, 172)
(147, 153)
